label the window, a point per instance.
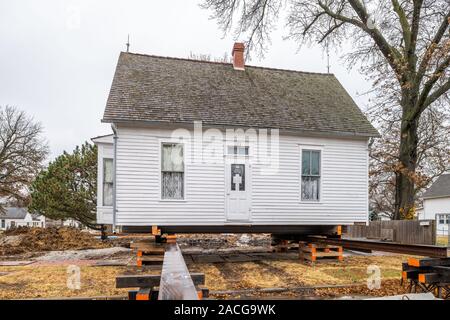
(236, 150)
(237, 177)
(310, 175)
(443, 218)
(107, 182)
(13, 224)
(3, 224)
(172, 171)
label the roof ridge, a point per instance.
(226, 63)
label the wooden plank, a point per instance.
(328, 254)
(151, 280)
(428, 278)
(428, 262)
(151, 260)
(151, 251)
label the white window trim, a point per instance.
(314, 148)
(179, 141)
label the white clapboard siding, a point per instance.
(275, 198)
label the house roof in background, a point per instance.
(107, 138)
(14, 213)
(440, 188)
(172, 90)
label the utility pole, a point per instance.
(328, 57)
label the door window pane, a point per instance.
(238, 177)
(237, 150)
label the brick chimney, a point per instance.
(238, 56)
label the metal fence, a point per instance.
(401, 231)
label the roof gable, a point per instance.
(14, 213)
(171, 90)
(440, 188)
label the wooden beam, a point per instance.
(428, 262)
(151, 280)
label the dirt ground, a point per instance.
(26, 240)
(48, 273)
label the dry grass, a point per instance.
(294, 273)
(51, 281)
(442, 241)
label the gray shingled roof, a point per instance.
(440, 188)
(172, 90)
(13, 213)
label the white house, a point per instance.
(436, 204)
(203, 146)
(20, 217)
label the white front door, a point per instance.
(237, 176)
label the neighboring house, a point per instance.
(203, 146)
(436, 204)
(64, 223)
(20, 217)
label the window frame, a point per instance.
(161, 143)
(320, 149)
(103, 182)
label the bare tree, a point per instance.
(22, 152)
(403, 47)
(433, 158)
(207, 57)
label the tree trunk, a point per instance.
(405, 174)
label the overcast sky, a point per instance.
(58, 56)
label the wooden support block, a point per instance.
(172, 238)
(156, 231)
(143, 294)
(132, 294)
(154, 294)
(410, 274)
(428, 278)
(204, 292)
